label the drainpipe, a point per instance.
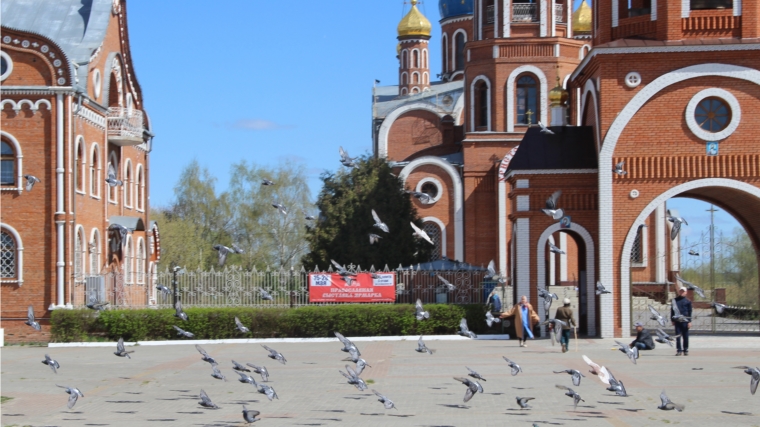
(59, 210)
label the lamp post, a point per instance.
(712, 211)
(175, 270)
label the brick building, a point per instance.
(72, 114)
(655, 84)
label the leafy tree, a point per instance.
(346, 202)
(181, 243)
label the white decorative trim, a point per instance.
(653, 9)
(9, 63)
(563, 257)
(548, 172)
(19, 161)
(523, 203)
(685, 8)
(506, 19)
(522, 183)
(458, 110)
(423, 41)
(615, 13)
(634, 194)
(92, 117)
(553, 32)
(442, 226)
(502, 214)
(590, 271)
(590, 88)
(496, 19)
(632, 79)
(445, 45)
(552, 264)
(605, 171)
(457, 196)
(454, 51)
(95, 178)
(382, 134)
(455, 19)
(543, 93)
(522, 256)
(661, 275)
(472, 102)
(97, 83)
(19, 254)
(33, 105)
(543, 31)
(435, 182)
(737, 7)
(733, 104)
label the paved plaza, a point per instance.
(159, 386)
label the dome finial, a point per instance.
(414, 23)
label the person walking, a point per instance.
(525, 320)
(565, 314)
(682, 328)
(643, 339)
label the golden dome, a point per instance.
(558, 96)
(414, 23)
(582, 18)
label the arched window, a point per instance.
(140, 261)
(404, 59)
(128, 184)
(425, 78)
(459, 41)
(424, 58)
(434, 232)
(113, 167)
(8, 256)
(94, 248)
(415, 90)
(404, 79)
(445, 43)
(481, 105)
(127, 261)
(404, 91)
(415, 58)
(140, 182)
(95, 171)
(415, 78)
(528, 108)
(79, 256)
(80, 165)
(7, 164)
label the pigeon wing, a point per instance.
(664, 398)
(463, 325)
(754, 381)
(676, 228)
(72, 400)
(30, 314)
(551, 202)
(468, 395)
(375, 217)
(120, 345)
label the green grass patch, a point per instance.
(4, 399)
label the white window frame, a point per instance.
(140, 261)
(128, 182)
(81, 167)
(95, 169)
(94, 256)
(19, 162)
(140, 187)
(19, 260)
(80, 254)
(113, 192)
(128, 261)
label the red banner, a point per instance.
(331, 287)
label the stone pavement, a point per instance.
(159, 386)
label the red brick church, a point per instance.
(659, 85)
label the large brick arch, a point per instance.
(385, 128)
(412, 132)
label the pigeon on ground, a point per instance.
(224, 250)
(692, 252)
(554, 249)
(238, 367)
(472, 387)
(422, 348)
(378, 223)
(474, 374)
(206, 401)
(384, 400)
(266, 182)
(419, 312)
(245, 378)
(420, 234)
(353, 378)
(551, 206)
(266, 296)
(677, 316)
(719, 308)
(617, 386)
(347, 344)
(178, 313)
(556, 327)
(570, 392)
(545, 129)
(205, 356)
(600, 289)
(664, 338)
(30, 181)
(523, 401)
(280, 208)
(266, 390)
(374, 238)
(619, 168)
(74, 394)
(345, 160)
(600, 371)
(490, 320)
(656, 315)
(121, 351)
(274, 354)
(217, 374)
(30, 319)
(577, 375)
(111, 179)
(755, 373)
(164, 290)
(446, 283)
(516, 369)
(464, 330)
(691, 286)
(261, 370)
(240, 327)
(249, 415)
(52, 363)
(548, 297)
(183, 333)
(667, 405)
(677, 221)
(631, 352)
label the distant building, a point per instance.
(72, 110)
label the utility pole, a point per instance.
(712, 211)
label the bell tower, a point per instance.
(413, 53)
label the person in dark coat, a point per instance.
(565, 314)
(682, 328)
(643, 339)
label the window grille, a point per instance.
(7, 256)
(434, 232)
(637, 252)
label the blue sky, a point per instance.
(271, 82)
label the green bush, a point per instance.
(303, 322)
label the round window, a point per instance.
(430, 189)
(6, 65)
(712, 114)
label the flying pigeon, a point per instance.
(206, 401)
(274, 354)
(178, 313)
(516, 369)
(266, 296)
(245, 378)
(224, 250)
(111, 179)
(266, 390)
(667, 405)
(121, 351)
(548, 297)
(664, 338)
(353, 378)
(217, 374)
(570, 392)
(344, 159)
(384, 400)
(261, 370)
(422, 348)
(164, 289)
(266, 182)
(545, 129)
(249, 415)
(206, 357)
(121, 235)
(631, 352)
(240, 327)
(30, 319)
(238, 367)
(551, 206)
(30, 181)
(309, 217)
(52, 363)
(556, 327)
(355, 357)
(183, 333)
(617, 386)
(341, 270)
(677, 316)
(691, 286)
(656, 315)
(347, 344)
(755, 373)
(74, 394)
(280, 208)
(600, 371)
(523, 401)
(475, 374)
(378, 223)
(94, 304)
(677, 221)
(492, 274)
(464, 330)
(446, 283)
(577, 375)
(490, 320)
(472, 387)
(600, 289)
(424, 198)
(419, 312)
(556, 250)
(719, 308)
(374, 238)
(693, 252)
(619, 168)
(420, 234)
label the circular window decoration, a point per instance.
(632, 79)
(432, 187)
(96, 83)
(713, 114)
(6, 65)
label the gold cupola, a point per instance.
(558, 96)
(414, 23)
(582, 19)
